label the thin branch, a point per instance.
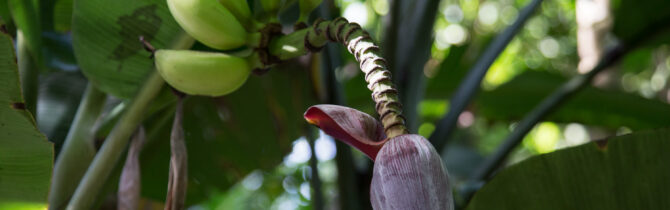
(29, 46)
(567, 90)
(78, 150)
(116, 142)
(349, 196)
(471, 83)
(29, 72)
(315, 180)
(390, 26)
(415, 38)
(549, 104)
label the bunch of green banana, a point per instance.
(222, 25)
(212, 22)
(202, 73)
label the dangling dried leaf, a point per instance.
(129, 185)
(351, 126)
(409, 174)
(178, 163)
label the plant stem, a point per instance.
(115, 143)
(415, 37)
(471, 83)
(27, 21)
(29, 72)
(112, 149)
(366, 52)
(567, 90)
(78, 150)
(315, 180)
(347, 179)
(29, 46)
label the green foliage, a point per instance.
(591, 106)
(251, 130)
(26, 157)
(228, 137)
(105, 36)
(624, 172)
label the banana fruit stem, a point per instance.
(366, 52)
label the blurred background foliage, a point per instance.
(262, 159)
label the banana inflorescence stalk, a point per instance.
(366, 52)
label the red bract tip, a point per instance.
(351, 126)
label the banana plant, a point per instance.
(408, 172)
(241, 37)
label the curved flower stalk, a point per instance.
(366, 52)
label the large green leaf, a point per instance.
(106, 42)
(228, 137)
(26, 156)
(624, 172)
(591, 106)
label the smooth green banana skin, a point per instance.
(209, 22)
(239, 8)
(202, 73)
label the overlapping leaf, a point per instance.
(106, 42)
(625, 172)
(26, 157)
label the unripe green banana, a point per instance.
(202, 73)
(209, 22)
(239, 8)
